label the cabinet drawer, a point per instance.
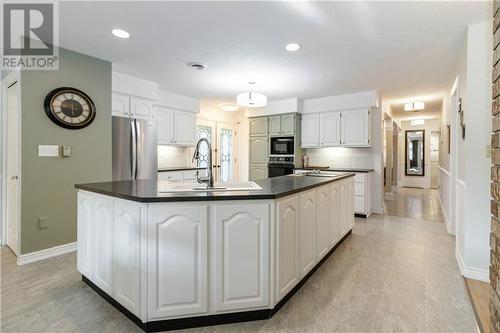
(359, 189)
(170, 176)
(359, 204)
(360, 178)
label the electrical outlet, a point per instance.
(43, 222)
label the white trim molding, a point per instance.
(446, 221)
(471, 272)
(55, 251)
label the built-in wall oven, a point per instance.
(282, 146)
(280, 166)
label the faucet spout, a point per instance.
(209, 179)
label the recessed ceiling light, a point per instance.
(229, 107)
(196, 65)
(292, 47)
(120, 33)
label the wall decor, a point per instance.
(69, 108)
(461, 117)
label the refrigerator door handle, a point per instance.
(134, 149)
(139, 142)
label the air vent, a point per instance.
(196, 66)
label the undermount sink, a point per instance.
(169, 187)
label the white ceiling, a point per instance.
(399, 48)
(433, 106)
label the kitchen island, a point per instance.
(178, 260)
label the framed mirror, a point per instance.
(415, 153)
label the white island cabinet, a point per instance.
(209, 260)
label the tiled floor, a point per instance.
(415, 203)
(392, 275)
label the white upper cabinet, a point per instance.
(175, 127)
(258, 126)
(275, 125)
(336, 128)
(310, 131)
(120, 105)
(356, 128)
(140, 108)
(184, 128)
(282, 124)
(330, 129)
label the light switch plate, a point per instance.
(66, 151)
(48, 151)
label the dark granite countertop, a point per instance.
(147, 190)
(360, 170)
(179, 169)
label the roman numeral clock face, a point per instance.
(69, 108)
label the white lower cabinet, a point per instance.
(307, 231)
(177, 260)
(127, 254)
(335, 214)
(241, 267)
(323, 223)
(287, 237)
(84, 233)
(103, 239)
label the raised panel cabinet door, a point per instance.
(120, 105)
(127, 265)
(103, 243)
(165, 119)
(177, 260)
(140, 108)
(307, 233)
(184, 128)
(351, 203)
(85, 218)
(310, 131)
(287, 235)
(258, 126)
(241, 256)
(330, 129)
(323, 221)
(257, 172)
(356, 128)
(335, 214)
(274, 125)
(287, 124)
(344, 204)
(258, 150)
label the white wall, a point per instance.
(359, 100)
(416, 181)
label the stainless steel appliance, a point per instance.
(135, 152)
(280, 166)
(282, 146)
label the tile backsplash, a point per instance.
(340, 158)
(170, 157)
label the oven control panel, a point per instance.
(280, 160)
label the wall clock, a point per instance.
(69, 108)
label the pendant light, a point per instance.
(251, 99)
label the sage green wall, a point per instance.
(48, 182)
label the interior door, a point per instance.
(226, 157)
(13, 181)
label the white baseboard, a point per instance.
(446, 221)
(472, 272)
(55, 251)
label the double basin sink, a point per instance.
(169, 187)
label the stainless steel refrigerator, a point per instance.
(135, 152)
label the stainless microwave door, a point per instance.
(122, 144)
(147, 149)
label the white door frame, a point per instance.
(10, 79)
(453, 155)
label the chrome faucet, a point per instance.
(209, 179)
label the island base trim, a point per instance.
(216, 319)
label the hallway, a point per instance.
(417, 203)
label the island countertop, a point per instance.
(147, 190)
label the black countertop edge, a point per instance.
(145, 191)
(360, 170)
(179, 169)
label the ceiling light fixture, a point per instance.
(196, 65)
(292, 47)
(250, 98)
(229, 107)
(120, 33)
(414, 106)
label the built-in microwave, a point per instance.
(282, 146)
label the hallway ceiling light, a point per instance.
(251, 99)
(414, 106)
(292, 47)
(120, 33)
(229, 107)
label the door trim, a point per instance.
(7, 82)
